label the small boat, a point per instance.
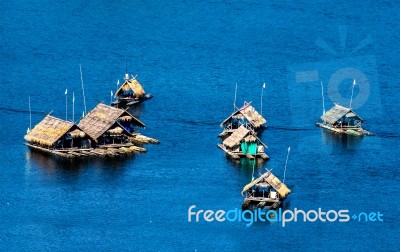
(130, 93)
(343, 120)
(267, 191)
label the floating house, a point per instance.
(243, 143)
(245, 116)
(130, 93)
(343, 120)
(104, 131)
(56, 136)
(110, 126)
(267, 191)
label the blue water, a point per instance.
(189, 55)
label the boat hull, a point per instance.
(126, 103)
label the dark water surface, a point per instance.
(190, 54)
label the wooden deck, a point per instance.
(250, 203)
(238, 155)
(354, 131)
(101, 151)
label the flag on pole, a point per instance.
(287, 158)
(73, 97)
(352, 91)
(66, 91)
(111, 97)
(264, 85)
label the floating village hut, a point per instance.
(113, 127)
(246, 116)
(59, 137)
(243, 143)
(342, 120)
(130, 93)
(266, 191)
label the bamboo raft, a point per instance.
(103, 151)
(141, 139)
(239, 154)
(103, 132)
(354, 131)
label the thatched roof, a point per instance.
(116, 130)
(272, 180)
(103, 118)
(240, 134)
(250, 113)
(132, 84)
(337, 112)
(51, 129)
(77, 133)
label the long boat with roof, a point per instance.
(130, 93)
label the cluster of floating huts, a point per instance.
(105, 131)
(240, 139)
(112, 131)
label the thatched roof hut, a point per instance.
(246, 115)
(241, 135)
(339, 114)
(51, 129)
(269, 179)
(132, 87)
(108, 119)
(244, 143)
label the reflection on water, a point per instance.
(53, 165)
(246, 164)
(341, 140)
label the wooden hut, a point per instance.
(130, 93)
(246, 116)
(56, 136)
(243, 143)
(265, 191)
(342, 120)
(110, 126)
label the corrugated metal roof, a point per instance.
(335, 113)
